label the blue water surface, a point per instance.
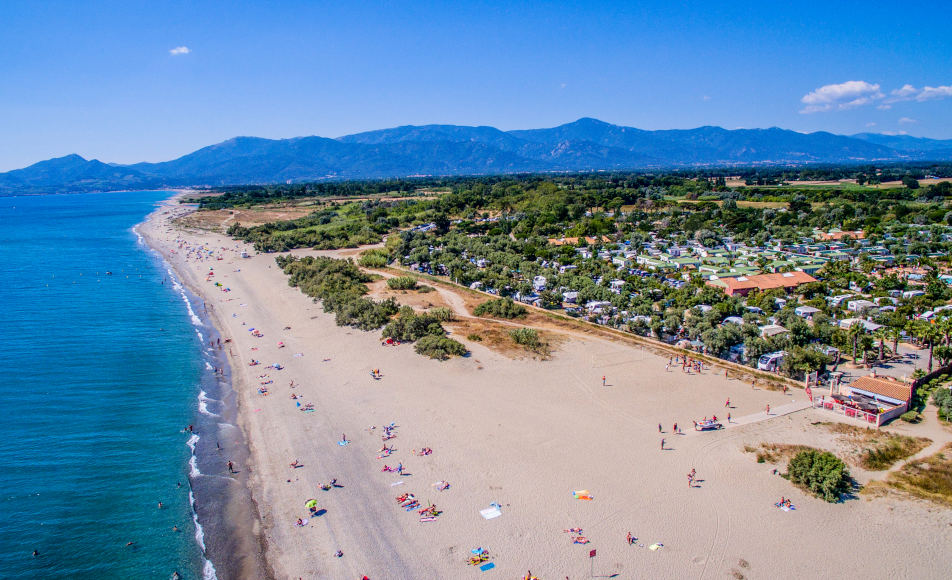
(99, 376)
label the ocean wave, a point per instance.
(194, 471)
(209, 366)
(208, 569)
(199, 531)
(192, 442)
(203, 404)
(188, 303)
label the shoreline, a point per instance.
(226, 516)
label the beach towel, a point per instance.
(655, 547)
(343, 443)
(582, 494)
(396, 483)
(487, 566)
(490, 513)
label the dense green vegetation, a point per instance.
(530, 339)
(500, 308)
(494, 233)
(402, 283)
(821, 473)
(942, 398)
(439, 347)
(341, 286)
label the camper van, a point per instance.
(771, 361)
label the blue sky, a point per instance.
(102, 79)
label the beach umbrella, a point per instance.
(310, 503)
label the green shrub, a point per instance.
(501, 308)
(942, 398)
(410, 326)
(439, 347)
(426, 289)
(402, 283)
(340, 286)
(475, 337)
(821, 473)
(527, 337)
(910, 417)
(442, 313)
(375, 258)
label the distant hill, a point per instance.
(906, 142)
(584, 145)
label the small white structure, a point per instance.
(859, 305)
(538, 283)
(769, 330)
(805, 311)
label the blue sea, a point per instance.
(103, 361)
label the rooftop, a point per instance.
(885, 386)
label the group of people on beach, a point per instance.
(687, 364)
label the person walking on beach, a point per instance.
(675, 428)
(768, 408)
(728, 417)
(728, 402)
(603, 380)
(659, 428)
(630, 539)
(231, 467)
(662, 443)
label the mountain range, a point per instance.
(584, 145)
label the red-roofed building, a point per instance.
(742, 285)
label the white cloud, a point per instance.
(841, 96)
(706, 98)
(179, 50)
(894, 133)
(871, 124)
(927, 93)
(884, 107)
(906, 120)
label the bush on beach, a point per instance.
(439, 347)
(821, 473)
(340, 286)
(501, 308)
(402, 283)
(374, 258)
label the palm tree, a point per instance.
(927, 334)
(895, 333)
(854, 332)
(881, 334)
(943, 326)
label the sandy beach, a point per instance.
(523, 434)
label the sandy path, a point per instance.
(525, 433)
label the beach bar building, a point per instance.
(871, 400)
